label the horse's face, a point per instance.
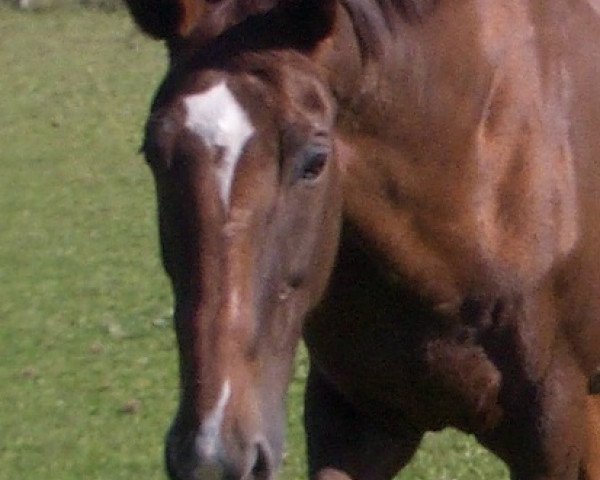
(249, 209)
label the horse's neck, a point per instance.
(438, 129)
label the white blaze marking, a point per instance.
(219, 120)
(207, 441)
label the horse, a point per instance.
(411, 186)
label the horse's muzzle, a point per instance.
(186, 459)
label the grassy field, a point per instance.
(88, 370)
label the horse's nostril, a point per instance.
(262, 468)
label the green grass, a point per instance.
(88, 370)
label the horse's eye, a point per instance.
(312, 163)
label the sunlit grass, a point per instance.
(88, 370)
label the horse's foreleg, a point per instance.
(543, 433)
(343, 444)
(591, 463)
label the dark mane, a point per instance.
(373, 20)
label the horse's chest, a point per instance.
(383, 347)
(434, 382)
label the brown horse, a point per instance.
(410, 184)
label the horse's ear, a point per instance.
(166, 19)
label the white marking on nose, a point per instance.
(219, 120)
(235, 304)
(207, 442)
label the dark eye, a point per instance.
(312, 163)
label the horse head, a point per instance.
(243, 154)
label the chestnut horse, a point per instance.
(413, 186)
